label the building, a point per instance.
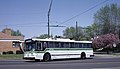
(9, 43)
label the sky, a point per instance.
(30, 16)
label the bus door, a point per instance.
(39, 46)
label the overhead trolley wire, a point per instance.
(83, 12)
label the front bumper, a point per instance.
(92, 55)
(29, 58)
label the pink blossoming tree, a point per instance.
(105, 41)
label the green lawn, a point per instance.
(116, 54)
(11, 56)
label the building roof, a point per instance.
(4, 36)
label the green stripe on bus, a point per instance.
(68, 49)
(62, 49)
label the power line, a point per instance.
(18, 13)
(25, 24)
(29, 23)
(35, 24)
(84, 12)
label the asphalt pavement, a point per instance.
(98, 62)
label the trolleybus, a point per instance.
(49, 49)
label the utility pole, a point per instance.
(76, 31)
(49, 19)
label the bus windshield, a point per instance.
(33, 46)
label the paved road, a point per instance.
(100, 62)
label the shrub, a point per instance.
(10, 52)
(4, 52)
(19, 52)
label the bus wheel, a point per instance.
(47, 57)
(83, 55)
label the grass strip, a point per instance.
(11, 56)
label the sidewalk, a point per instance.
(108, 55)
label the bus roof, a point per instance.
(60, 40)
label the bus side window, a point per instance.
(51, 44)
(66, 45)
(62, 45)
(84, 45)
(76, 45)
(89, 45)
(72, 45)
(56, 44)
(80, 45)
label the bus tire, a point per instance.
(83, 55)
(47, 57)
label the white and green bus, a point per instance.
(49, 49)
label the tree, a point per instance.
(108, 19)
(70, 32)
(44, 36)
(16, 33)
(91, 31)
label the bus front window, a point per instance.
(30, 47)
(35, 46)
